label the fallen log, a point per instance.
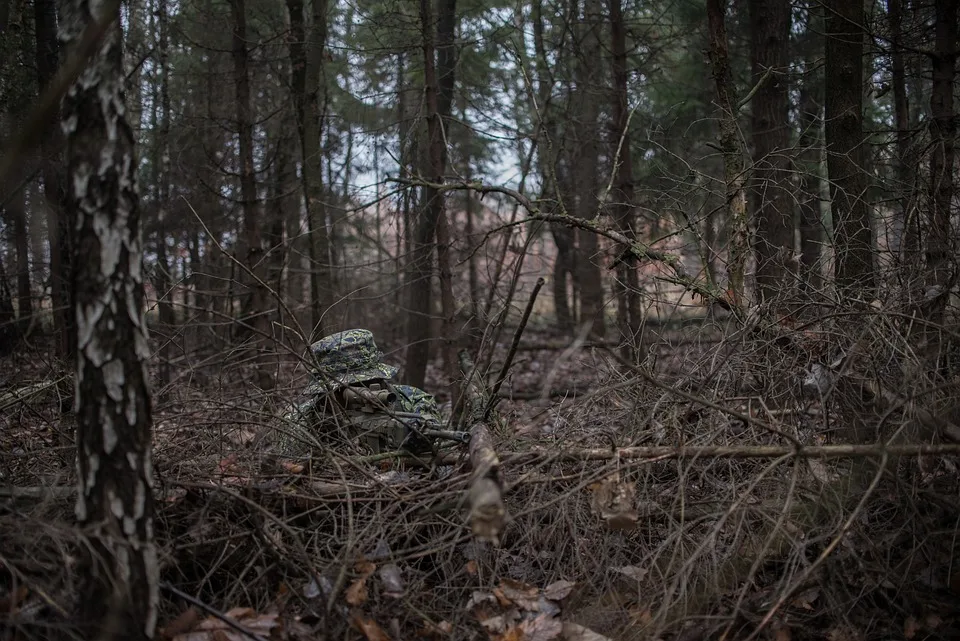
(487, 511)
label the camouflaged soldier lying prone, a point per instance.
(352, 397)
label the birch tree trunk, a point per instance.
(115, 499)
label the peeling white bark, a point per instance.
(112, 401)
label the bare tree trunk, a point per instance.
(943, 130)
(811, 102)
(843, 129)
(16, 214)
(586, 173)
(773, 205)
(257, 310)
(115, 502)
(321, 264)
(732, 147)
(164, 191)
(439, 81)
(906, 234)
(628, 282)
(59, 225)
(547, 156)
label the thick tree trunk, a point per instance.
(943, 129)
(16, 214)
(772, 202)
(439, 81)
(446, 65)
(547, 158)
(59, 224)
(164, 191)
(732, 147)
(906, 233)
(257, 312)
(321, 264)
(808, 165)
(843, 129)
(627, 280)
(586, 176)
(115, 502)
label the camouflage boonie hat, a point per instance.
(351, 357)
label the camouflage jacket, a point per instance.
(390, 418)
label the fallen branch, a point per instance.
(488, 513)
(759, 451)
(663, 452)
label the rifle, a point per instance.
(364, 398)
(402, 427)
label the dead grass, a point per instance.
(833, 549)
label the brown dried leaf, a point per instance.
(575, 632)
(495, 624)
(357, 592)
(292, 467)
(614, 501)
(806, 599)
(910, 627)
(471, 568)
(559, 590)
(365, 568)
(632, 572)
(478, 597)
(522, 595)
(782, 634)
(368, 627)
(185, 622)
(392, 581)
(215, 629)
(541, 628)
(513, 634)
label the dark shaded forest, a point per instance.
(562, 319)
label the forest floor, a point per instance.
(708, 548)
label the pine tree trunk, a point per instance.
(586, 179)
(732, 147)
(843, 130)
(906, 234)
(59, 224)
(808, 165)
(115, 502)
(438, 68)
(772, 202)
(943, 129)
(164, 191)
(15, 209)
(547, 157)
(628, 282)
(321, 264)
(257, 313)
